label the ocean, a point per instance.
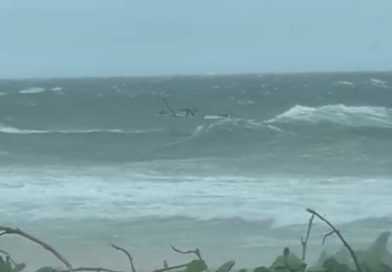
(226, 163)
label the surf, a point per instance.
(14, 130)
(351, 116)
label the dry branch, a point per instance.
(192, 251)
(327, 235)
(353, 256)
(304, 242)
(8, 230)
(126, 252)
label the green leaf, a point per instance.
(19, 267)
(196, 266)
(46, 269)
(226, 267)
(289, 262)
(5, 266)
(261, 269)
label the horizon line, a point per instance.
(197, 75)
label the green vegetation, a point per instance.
(375, 259)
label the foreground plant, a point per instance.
(371, 260)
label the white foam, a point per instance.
(246, 102)
(33, 90)
(42, 193)
(231, 124)
(13, 130)
(379, 83)
(226, 124)
(345, 83)
(2, 93)
(214, 117)
(355, 116)
(57, 89)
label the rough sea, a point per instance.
(224, 163)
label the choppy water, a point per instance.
(260, 148)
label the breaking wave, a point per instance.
(33, 90)
(226, 128)
(345, 83)
(232, 126)
(13, 130)
(379, 83)
(353, 116)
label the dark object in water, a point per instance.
(182, 113)
(189, 112)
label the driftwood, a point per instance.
(8, 230)
(304, 242)
(126, 252)
(337, 232)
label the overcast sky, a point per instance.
(61, 38)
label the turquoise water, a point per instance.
(108, 155)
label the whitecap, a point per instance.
(14, 130)
(246, 102)
(215, 117)
(355, 116)
(33, 90)
(226, 124)
(57, 89)
(344, 83)
(379, 83)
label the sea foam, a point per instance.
(102, 193)
(354, 116)
(33, 90)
